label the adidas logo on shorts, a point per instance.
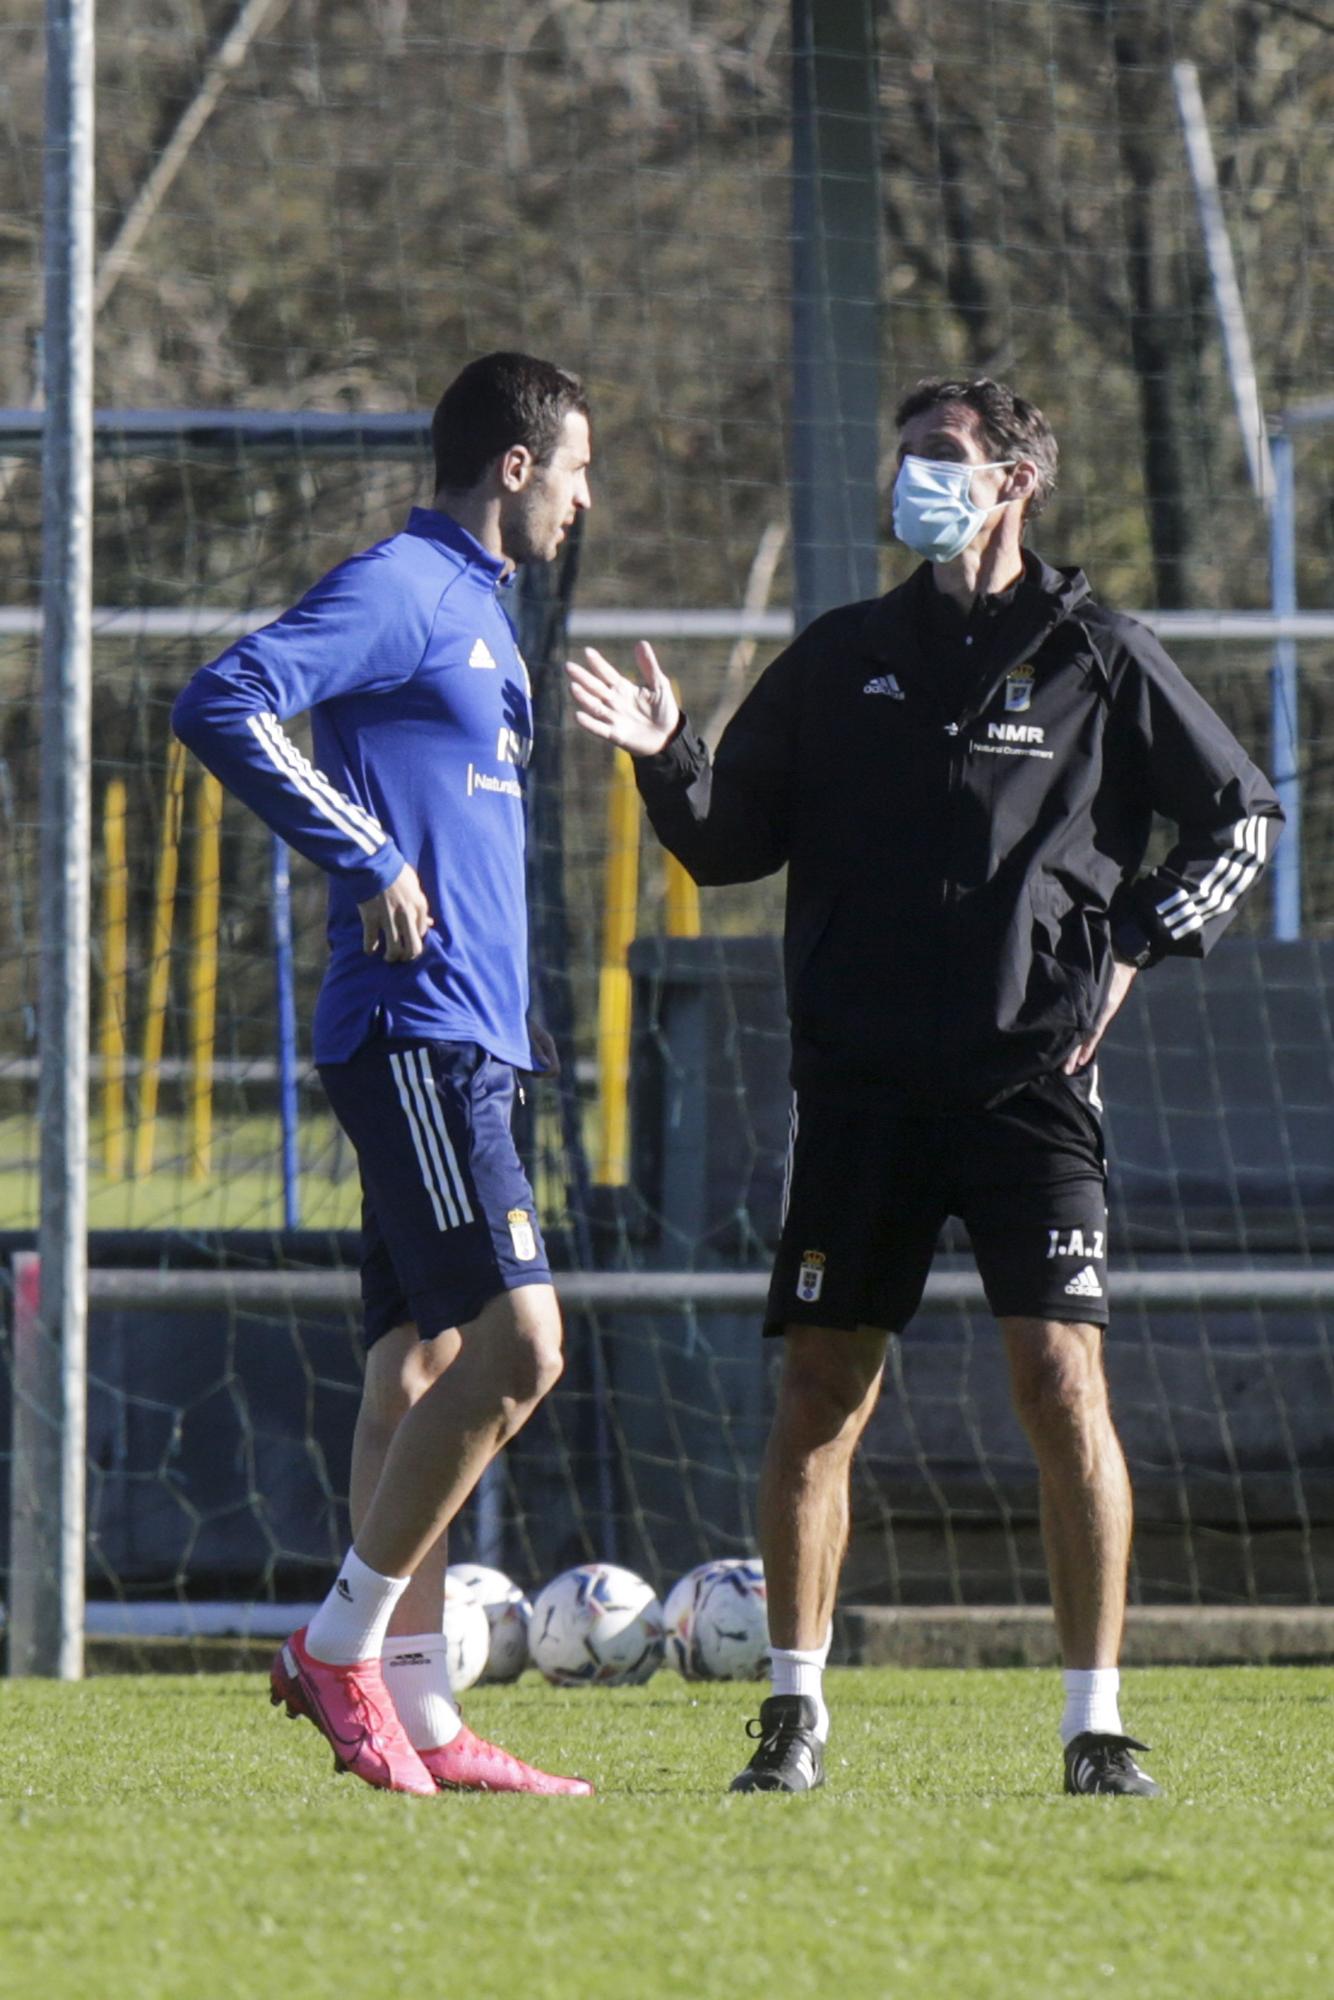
(1084, 1284)
(885, 684)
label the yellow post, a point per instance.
(682, 899)
(204, 919)
(115, 937)
(681, 890)
(159, 972)
(620, 909)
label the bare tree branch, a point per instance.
(227, 56)
(1297, 14)
(759, 583)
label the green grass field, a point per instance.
(177, 1837)
(243, 1189)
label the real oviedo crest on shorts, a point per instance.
(521, 1234)
(810, 1278)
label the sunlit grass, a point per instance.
(166, 1838)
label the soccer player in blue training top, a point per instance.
(961, 778)
(414, 807)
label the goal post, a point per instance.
(50, 1482)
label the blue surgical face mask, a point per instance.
(933, 508)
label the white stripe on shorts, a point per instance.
(787, 1164)
(430, 1097)
(442, 1199)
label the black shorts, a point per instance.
(869, 1190)
(448, 1219)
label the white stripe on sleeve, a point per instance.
(314, 786)
(339, 801)
(1231, 875)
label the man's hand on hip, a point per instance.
(1123, 977)
(642, 720)
(546, 1056)
(397, 919)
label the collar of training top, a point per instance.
(445, 530)
(1042, 597)
(944, 613)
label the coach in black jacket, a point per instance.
(961, 779)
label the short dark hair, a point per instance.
(1012, 427)
(498, 401)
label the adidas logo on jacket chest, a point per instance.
(987, 733)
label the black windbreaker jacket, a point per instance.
(955, 881)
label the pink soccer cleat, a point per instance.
(471, 1764)
(352, 1707)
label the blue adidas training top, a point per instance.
(422, 728)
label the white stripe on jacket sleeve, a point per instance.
(1231, 875)
(338, 801)
(313, 786)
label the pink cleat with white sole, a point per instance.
(353, 1709)
(471, 1764)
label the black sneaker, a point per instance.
(1095, 1763)
(791, 1756)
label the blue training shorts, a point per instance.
(448, 1219)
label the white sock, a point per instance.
(416, 1672)
(1091, 1702)
(792, 1671)
(351, 1623)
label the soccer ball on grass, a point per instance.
(508, 1612)
(678, 1615)
(596, 1625)
(717, 1622)
(467, 1638)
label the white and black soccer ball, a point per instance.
(596, 1626)
(729, 1634)
(467, 1638)
(678, 1614)
(508, 1612)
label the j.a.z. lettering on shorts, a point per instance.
(1075, 1242)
